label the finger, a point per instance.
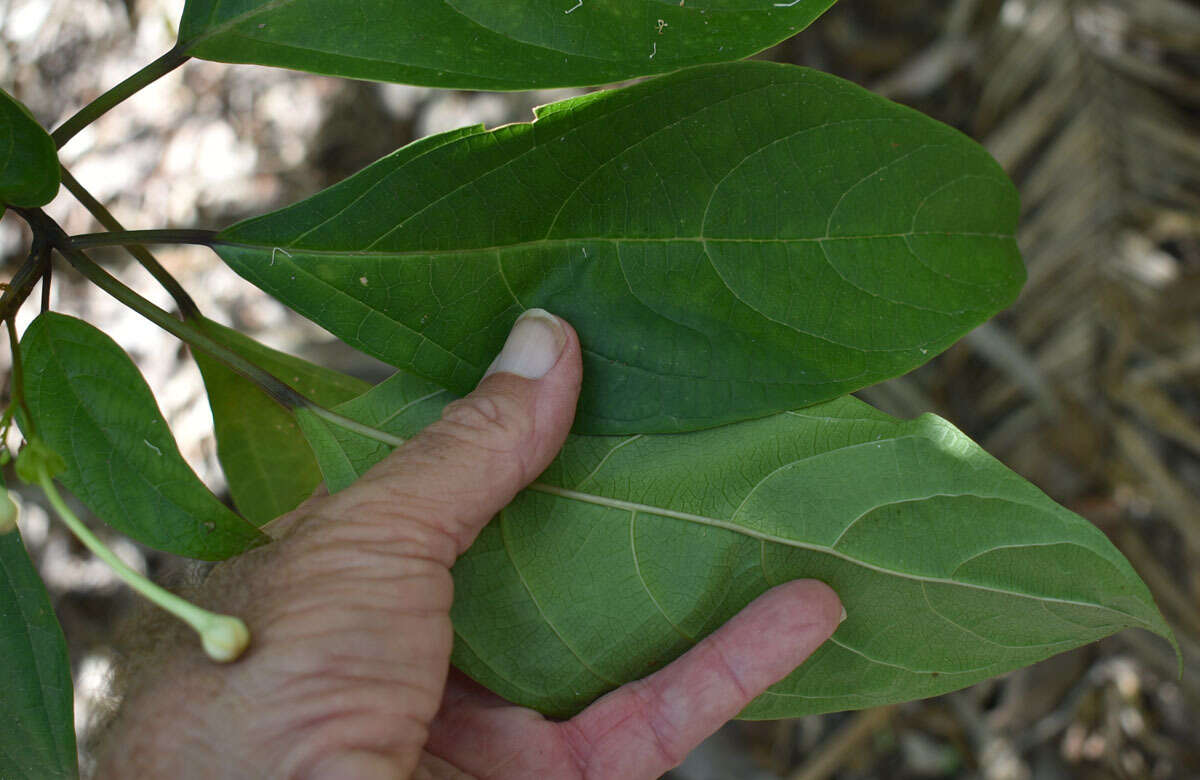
(486, 736)
(644, 728)
(442, 486)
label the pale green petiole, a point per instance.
(357, 427)
(224, 637)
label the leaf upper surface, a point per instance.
(729, 241)
(485, 45)
(37, 723)
(29, 172)
(628, 550)
(90, 404)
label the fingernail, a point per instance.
(842, 619)
(533, 346)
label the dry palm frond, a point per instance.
(1094, 107)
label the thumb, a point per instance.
(446, 483)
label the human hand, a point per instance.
(348, 674)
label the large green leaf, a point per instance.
(729, 241)
(951, 567)
(29, 173)
(483, 44)
(89, 403)
(268, 464)
(37, 722)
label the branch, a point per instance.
(283, 394)
(18, 289)
(189, 334)
(187, 307)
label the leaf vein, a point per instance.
(538, 605)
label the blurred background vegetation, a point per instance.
(1089, 386)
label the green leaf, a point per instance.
(952, 568)
(8, 512)
(268, 464)
(37, 722)
(486, 45)
(89, 403)
(729, 241)
(36, 459)
(29, 173)
(402, 404)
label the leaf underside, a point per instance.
(29, 173)
(267, 462)
(37, 731)
(486, 45)
(90, 404)
(952, 568)
(729, 242)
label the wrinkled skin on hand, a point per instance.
(348, 672)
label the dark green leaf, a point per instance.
(29, 173)
(37, 722)
(952, 568)
(267, 462)
(729, 241)
(483, 44)
(90, 404)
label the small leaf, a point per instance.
(729, 242)
(8, 512)
(267, 462)
(29, 173)
(628, 550)
(486, 45)
(403, 404)
(37, 722)
(90, 404)
(35, 459)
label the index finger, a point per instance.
(647, 727)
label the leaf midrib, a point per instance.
(631, 506)
(574, 240)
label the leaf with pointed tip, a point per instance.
(90, 404)
(37, 723)
(29, 172)
(628, 550)
(729, 241)
(488, 45)
(267, 462)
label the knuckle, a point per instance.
(660, 724)
(493, 423)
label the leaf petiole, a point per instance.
(130, 86)
(130, 238)
(224, 637)
(357, 427)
